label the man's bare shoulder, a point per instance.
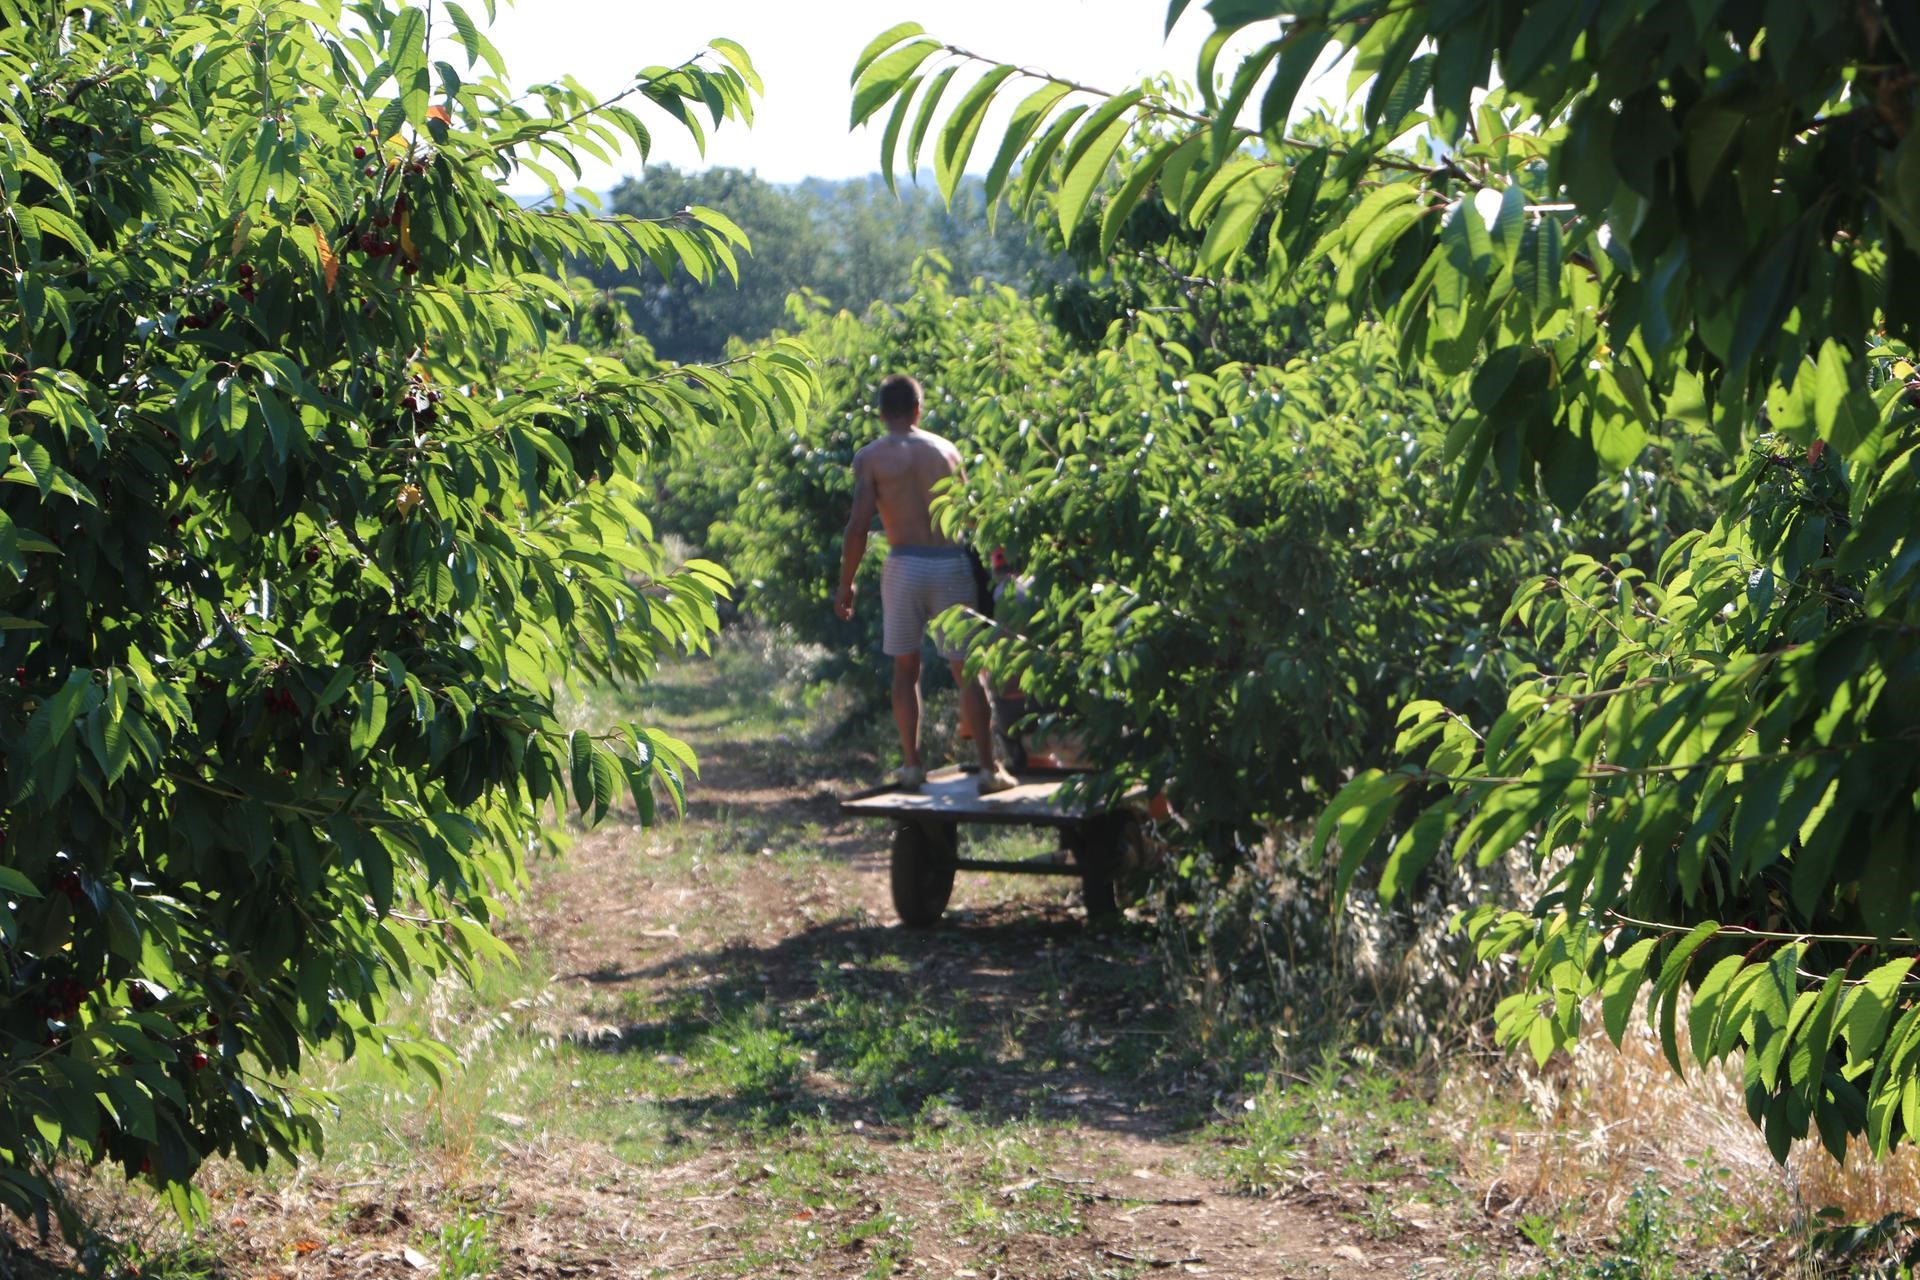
(946, 447)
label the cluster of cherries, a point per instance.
(141, 997)
(63, 998)
(420, 401)
(373, 242)
(218, 306)
(68, 882)
(281, 701)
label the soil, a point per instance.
(627, 922)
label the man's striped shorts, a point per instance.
(918, 584)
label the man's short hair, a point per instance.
(899, 397)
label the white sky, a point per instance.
(804, 53)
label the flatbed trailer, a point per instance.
(1109, 850)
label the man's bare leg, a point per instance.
(906, 706)
(976, 713)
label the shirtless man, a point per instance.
(925, 573)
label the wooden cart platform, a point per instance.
(1110, 850)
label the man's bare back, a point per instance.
(901, 470)
(925, 575)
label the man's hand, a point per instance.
(843, 603)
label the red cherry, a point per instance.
(199, 1061)
(146, 1164)
(244, 270)
(371, 170)
(359, 153)
(381, 220)
(246, 292)
(400, 204)
(367, 241)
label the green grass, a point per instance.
(1356, 1119)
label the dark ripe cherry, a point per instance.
(359, 153)
(371, 170)
(219, 307)
(146, 1164)
(367, 241)
(409, 266)
(246, 292)
(20, 674)
(313, 555)
(426, 417)
(433, 397)
(199, 1061)
(381, 220)
(244, 270)
(400, 204)
(410, 402)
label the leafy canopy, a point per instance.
(1664, 217)
(312, 505)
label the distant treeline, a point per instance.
(851, 242)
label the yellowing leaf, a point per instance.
(329, 263)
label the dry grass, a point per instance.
(1573, 1141)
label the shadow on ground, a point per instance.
(1008, 1013)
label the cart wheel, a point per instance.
(923, 856)
(1137, 855)
(1096, 890)
(1091, 846)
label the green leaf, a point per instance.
(407, 53)
(1027, 119)
(1703, 1018)
(962, 128)
(929, 101)
(887, 77)
(1090, 153)
(1114, 217)
(1626, 973)
(369, 718)
(1412, 852)
(880, 44)
(1300, 48)
(580, 750)
(1869, 1009)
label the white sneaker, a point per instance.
(996, 779)
(908, 777)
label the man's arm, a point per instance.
(854, 546)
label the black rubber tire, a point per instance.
(1096, 890)
(922, 871)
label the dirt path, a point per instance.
(722, 1057)
(1063, 1026)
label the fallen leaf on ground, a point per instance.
(414, 1258)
